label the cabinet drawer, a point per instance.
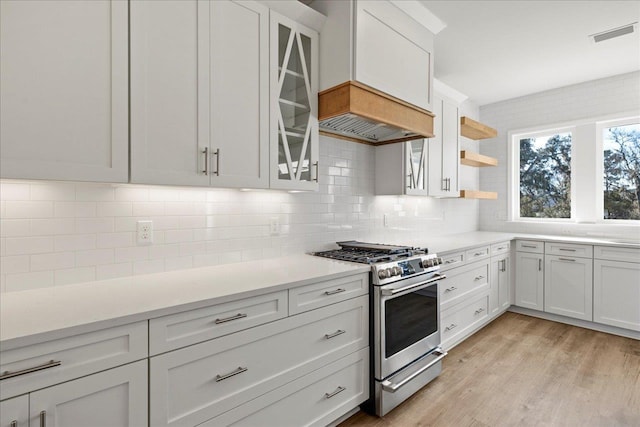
(459, 320)
(183, 329)
(477, 253)
(315, 399)
(451, 260)
(194, 384)
(568, 249)
(500, 248)
(532, 246)
(461, 281)
(614, 253)
(71, 357)
(318, 295)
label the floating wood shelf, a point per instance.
(470, 158)
(473, 194)
(475, 130)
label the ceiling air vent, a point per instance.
(613, 33)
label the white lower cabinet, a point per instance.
(194, 384)
(499, 294)
(530, 280)
(312, 400)
(462, 319)
(568, 286)
(15, 412)
(616, 293)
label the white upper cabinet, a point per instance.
(64, 90)
(294, 105)
(444, 149)
(199, 93)
(376, 43)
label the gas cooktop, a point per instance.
(370, 253)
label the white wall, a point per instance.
(56, 233)
(593, 99)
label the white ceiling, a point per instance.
(497, 50)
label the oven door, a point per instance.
(406, 322)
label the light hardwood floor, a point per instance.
(524, 371)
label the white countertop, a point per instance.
(26, 317)
(42, 314)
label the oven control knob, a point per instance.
(396, 271)
(427, 263)
(383, 274)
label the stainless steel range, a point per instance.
(405, 321)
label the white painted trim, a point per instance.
(298, 12)
(419, 13)
(449, 92)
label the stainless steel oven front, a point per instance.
(407, 338)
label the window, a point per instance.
(545, 176)
(585, 172)
(621, 172)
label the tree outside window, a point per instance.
(621, 187)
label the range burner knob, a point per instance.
(384, 274)
(427, 263)
(439, 261)
(396, 271)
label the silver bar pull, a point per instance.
(13, 423)
(231, 374)
(392, 388)
(567, 259)
(335, 334)
(336, 291)
(566, 250)
(539, 264)
(229, 319)
(529, 246)
(480, 310)
(504, 265)
(451, 289)
(443, 187)
(478, 254)
(450, 327)
(206, 160)
(317, 165)
(217, 154)
(478, 278)
(416, 287)
(43, 418)
(340, 389)
(50, 364)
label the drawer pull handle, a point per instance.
(340, 389)
(206, 160)
(567, 259)
(478, 278)
(229, 319)
(451, 261)
(478, 254)
(337, 291)
(566, 250)
(231, 374)
(501, 248)
(480, 310)
(43, 418)
(451, 289)
(50, 364)
(335, 334)
(450, 327)
(539, 264)
(529, 246)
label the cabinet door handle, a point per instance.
(340, 389)
(335, 334)
(529, 246)
(539, 264)
(451, 261)
(43, 418)
(229, 319)
(480, 310)
(13, 423)
(504, 265)
(567, 259)
(217, 154)
(336, 291)
(50, 364)
(450, 327)
(443, 187)
(478, 278)
(317, 165)
(206, 160)
(231, 374)
(566, 250)
(478, 254)
(451, 289)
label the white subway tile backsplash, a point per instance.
(74, 209)
(115, 209)
(56, 191)
(135, 253)
(28, 209)
(95, 257)
(26, 281)
(74, 275)
(14, 227)
(114, 240)
(52, 261)
(14, 264)
(28, 245)
(14, 191)
(148, 267)
(94, 225)
(44, 227)
(111, 271)
(78, 242)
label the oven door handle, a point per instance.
(414, 287)
(392, 388)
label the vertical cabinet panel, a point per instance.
(117, 397)
(294, 154)
(568, 286)
(530, 280)
(64, 90)
(239, 94)
(616, 293)
(169, 92)
(15, 412)
(499, 298)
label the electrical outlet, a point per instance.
(274, 226)
(145, 232)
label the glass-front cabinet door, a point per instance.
(416, 161)
(294, 105)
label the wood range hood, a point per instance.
(359, 113)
